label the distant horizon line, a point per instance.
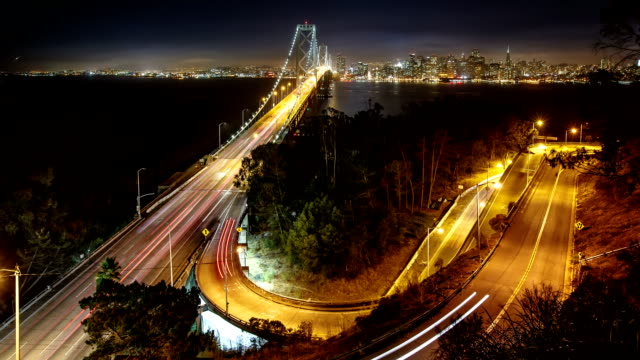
(58, 66)
(263, 67)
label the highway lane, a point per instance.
(54, 331)
(51, 329)
(533, 250)
(554, 254)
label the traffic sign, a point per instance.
(205, 232)
(579, 225)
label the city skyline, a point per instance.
(159, 35)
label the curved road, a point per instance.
(534, 250)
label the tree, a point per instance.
(620, 30)
(602, 77)
(315, 240)
(146, 321)
(109, 271)
(263, 174)
(519, 134)
(38, 226)
(618, 163)
(443, 137)
(595, 321)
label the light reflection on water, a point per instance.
(351, 97)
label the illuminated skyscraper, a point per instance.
(362, 70)
(476, 64)
(508, 73)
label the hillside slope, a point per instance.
(610, 224)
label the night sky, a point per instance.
(141, 35)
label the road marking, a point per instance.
(531, 259)
(74, 345)
(13, 356)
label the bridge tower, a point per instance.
(323, 55)
(306, 49)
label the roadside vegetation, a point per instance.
(601, 316)
(342, 192)
(142, 321)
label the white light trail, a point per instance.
(434, 338)
(427, 329)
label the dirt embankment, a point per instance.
(609, 224)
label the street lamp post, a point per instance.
(219, 132)
(439, 231)
(539, 123)
(487, 183)
(16, 273)
(140, 196)
(243, 110)
(580, 134)
(138, 182)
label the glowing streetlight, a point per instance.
(533, 128)
(573, 131)
(16, 273)
(439, 231)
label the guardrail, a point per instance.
(309, 304)
(242, 324)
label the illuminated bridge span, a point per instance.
(165, 242)
(310, 63)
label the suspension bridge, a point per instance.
(185, 229)
(308, 63)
